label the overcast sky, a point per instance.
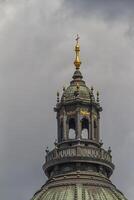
(37, 38)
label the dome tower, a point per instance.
(78, 168)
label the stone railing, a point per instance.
(80, 152)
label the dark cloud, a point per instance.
(36, 59)
(109, 10)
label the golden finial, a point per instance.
(77, 61)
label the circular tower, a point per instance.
(78, 168)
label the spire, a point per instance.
(77, 61)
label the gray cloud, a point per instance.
(36, 59)
(111, 10)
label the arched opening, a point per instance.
(72, 134)
(95, 129)
(85, 129)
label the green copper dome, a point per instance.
(77, 88)
(84, 92)
(80, 190)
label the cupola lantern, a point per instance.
(78, 168)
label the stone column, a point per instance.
(89, 128)
(58, 129)
(91, 125)
(92, 129)
(78, 124)
(98, 129)
(64, 126)
(67, 128)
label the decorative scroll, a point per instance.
(85, 113)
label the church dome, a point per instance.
(78, 167)
(78, 90)
(83, 193)
(96, 188)
(71, 92)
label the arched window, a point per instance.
(85, 128)
(72, 134)
(95, 129)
